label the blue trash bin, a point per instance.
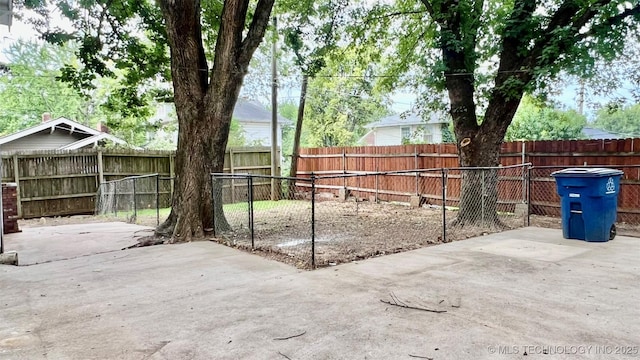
(589, 202)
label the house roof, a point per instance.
(93, 140)
(593, 133)
(67, 125)
(406, 119)
(250, 111)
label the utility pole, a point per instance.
(274, 114)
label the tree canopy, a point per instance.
(624, 121)
(342, 98)
(29, 87)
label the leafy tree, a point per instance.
(342, 98)
(620, 120)
(311, 32)
(447, 134)
(486, 55)
(536, 121)
(236, 135)
(29, 87)
(210, 45)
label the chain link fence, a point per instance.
(249, 215)
(143, 199)
(544, 202)
(320, 221)
(326, 220)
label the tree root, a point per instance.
(148, 241)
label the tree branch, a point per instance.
(397, 13)
(614, 20)
(429, 7)
(290, 337)
(397, 302)
(256, 30)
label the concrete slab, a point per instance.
(531, 250)
(36, 245)
(206, 301)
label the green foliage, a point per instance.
(236, 135)
(448, 137)
(311, 31)
(123, 40)
(502, 48)
(536, 121)
(341, 99)
(29, 87)
(623, 120)
(32, 87)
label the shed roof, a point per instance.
(67, 125)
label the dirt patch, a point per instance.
(344, 231)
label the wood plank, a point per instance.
(54, 197)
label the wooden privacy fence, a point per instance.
(622, 154)
(60, 183)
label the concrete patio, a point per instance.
(525, 290)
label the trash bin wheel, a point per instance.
(612, 232)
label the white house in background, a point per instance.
(406, 127)
(58, 134)
(254, 119)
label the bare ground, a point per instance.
(345, 231)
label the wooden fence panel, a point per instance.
(59, 183)
(623, 153)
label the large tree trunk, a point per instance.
(479, 192)
(204, 105)
(479, 144)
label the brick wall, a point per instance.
(10, 208)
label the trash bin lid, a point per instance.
(586, 172)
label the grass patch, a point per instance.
(262, 205)
(243, 206)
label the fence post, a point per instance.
(444, 205)
(213, 205)
(524, 171)
(377, 185)
(250, 206)
(344, 169)
(100, 168)
(115, 198)
(16, 178)
(233, 180)
(529, 196)
(482, 200)
(313, 221)
(158, 199)
(135, 206)
(415, 167)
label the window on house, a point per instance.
(406, 133)
(428, 138)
